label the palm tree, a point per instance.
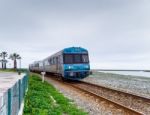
(14, 57)
(3, 61)
(20, 61)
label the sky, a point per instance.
(115, 32)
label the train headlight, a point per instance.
(69, 67)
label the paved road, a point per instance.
(7, 74)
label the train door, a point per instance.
(59, 68)
(57, 65)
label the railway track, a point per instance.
(131, 104)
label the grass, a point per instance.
(44, 99)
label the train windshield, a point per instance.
(75, 58)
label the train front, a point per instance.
(76, 63)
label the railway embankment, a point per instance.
(131, 84)
(44, 99)
(93, 104)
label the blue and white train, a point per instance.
(70, 63)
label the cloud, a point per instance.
(116, 33)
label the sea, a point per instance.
(133, 73)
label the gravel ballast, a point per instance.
(127, 83)
(132, 84)
(85, 101)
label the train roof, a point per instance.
(75, 50)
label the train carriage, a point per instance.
(70, 63)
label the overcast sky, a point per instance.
(115, 32)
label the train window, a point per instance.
(37, 65)
(68, 58)
(54, 60)
(58, 59)
(40, 64)
(77, 58)
(46, 62)
(85, 58)
(51, 62)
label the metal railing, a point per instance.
(14, 97)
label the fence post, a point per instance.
(9, 101)
(19, 93)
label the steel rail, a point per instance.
(117, 105)
(75, 85)
(117, 90)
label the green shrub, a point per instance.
(38, 100)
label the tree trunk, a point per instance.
(2, 65)
(5, 66)
(15, 64)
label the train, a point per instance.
(71, 63)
